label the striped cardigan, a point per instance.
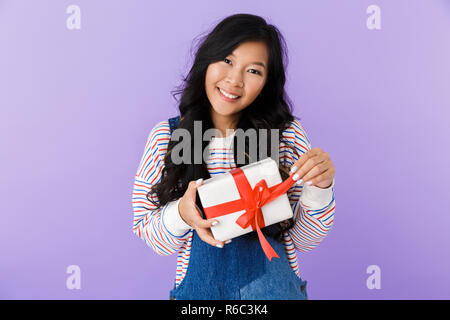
(166, 233)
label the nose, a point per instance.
(235, 78)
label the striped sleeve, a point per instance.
(148, 222)
(313, 207)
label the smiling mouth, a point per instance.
(227, 97)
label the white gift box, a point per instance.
(222, 189)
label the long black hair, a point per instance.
(272, 109)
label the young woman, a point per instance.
(236, 81)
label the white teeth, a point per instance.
(228, 95)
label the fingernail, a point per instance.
(295, 177)
(214, 223)
(228, 241)
(219, 246)
(293, 169)
(199, 181)
(300, 181)
(308, 183)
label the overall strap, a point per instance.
(173, 123)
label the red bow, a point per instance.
(251, 200)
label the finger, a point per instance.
(192, 188)
(309, 165)
(316, 170)
(305, 157)
(203, 223)
(328, 174)
(199, 182)
(206, 236)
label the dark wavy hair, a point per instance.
(272, 109)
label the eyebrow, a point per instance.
(257, 62)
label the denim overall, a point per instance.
(238, 271)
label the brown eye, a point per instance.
(256, 71)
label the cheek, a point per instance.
(255, 87)
(214, 74)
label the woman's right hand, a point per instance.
(190, 213)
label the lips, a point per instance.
(225, 98)
(229, 92)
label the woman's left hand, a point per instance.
(315, 166)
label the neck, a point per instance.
(224, 123)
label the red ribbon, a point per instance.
(251, 200)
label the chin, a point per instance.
(224, 111)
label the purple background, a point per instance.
(78, 105)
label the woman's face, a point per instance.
(243, 73)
